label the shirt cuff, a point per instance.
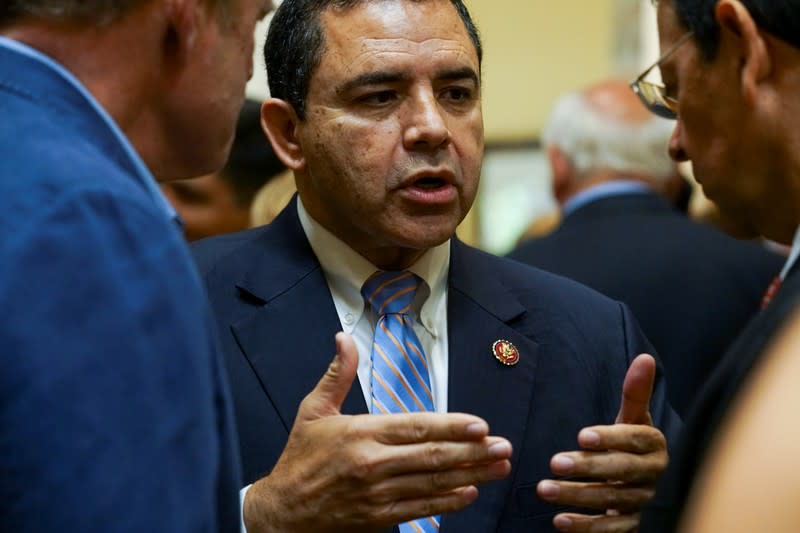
(242, 494)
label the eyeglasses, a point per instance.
(654, 95)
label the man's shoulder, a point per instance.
(232, 251)
(530, 283)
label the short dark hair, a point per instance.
(295, 42)
(780, 18)
(252, 162)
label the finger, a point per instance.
(440, 456)
(423, 485)
(599, 496)
(424, 427)
(405, 510)
(624, 437)
(616, 466)
(580, 523)
(327, 397)
(636, 391)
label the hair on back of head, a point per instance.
(593, 141)
(90, 12)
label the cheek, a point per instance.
(360, 148)
(469, 146)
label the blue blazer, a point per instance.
(114, 407)
(277, 321)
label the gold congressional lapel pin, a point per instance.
(505, 352)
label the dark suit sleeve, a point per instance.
(664, 417)
(111, 400)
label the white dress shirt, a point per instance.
(793, 254)
(346, 270)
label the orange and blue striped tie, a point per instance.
(400, 379)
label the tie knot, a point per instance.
(391, 291)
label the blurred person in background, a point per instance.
(272, 198)
(221, 202)
(691, 287)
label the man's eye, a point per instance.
(457, 94)
(378, 98)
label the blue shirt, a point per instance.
(114, 408)
(603, 190)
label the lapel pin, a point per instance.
(505, 352)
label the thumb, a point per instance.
(327, 397)
(636, 391)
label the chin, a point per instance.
(426, 236)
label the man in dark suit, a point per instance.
(115, 412)
(730, 71)
(376, 108)
(692, 288)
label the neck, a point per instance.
(101, 58)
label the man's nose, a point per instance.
(427, 125)
(676, 151)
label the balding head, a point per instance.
(614, 101)
(604, 128)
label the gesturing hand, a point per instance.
(364, 473)
(626, 459)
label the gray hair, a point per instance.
(592, 140)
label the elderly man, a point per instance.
(692, 288)
(731, 71)
(376, 107)
(114, 410)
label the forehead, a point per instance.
(390, 30)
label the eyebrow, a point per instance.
(464, 73)
(372, 78)
(388, 77)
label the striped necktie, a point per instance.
(400, 380)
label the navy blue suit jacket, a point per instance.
(114, 410)
(277, 321)
(692, 288)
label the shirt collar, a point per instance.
(793, 255)
(346, 271)
(143, 175)
(603, 190)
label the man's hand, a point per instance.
(365, 473)
(626, 459)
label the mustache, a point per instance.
(416, 162)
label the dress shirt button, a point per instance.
(349, 319)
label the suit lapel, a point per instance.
(288, 340)
(480, 310)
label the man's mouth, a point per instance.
(430, 183)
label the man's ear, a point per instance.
(184, 20)
(756, 63)
(279, 121)
(561, 173)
